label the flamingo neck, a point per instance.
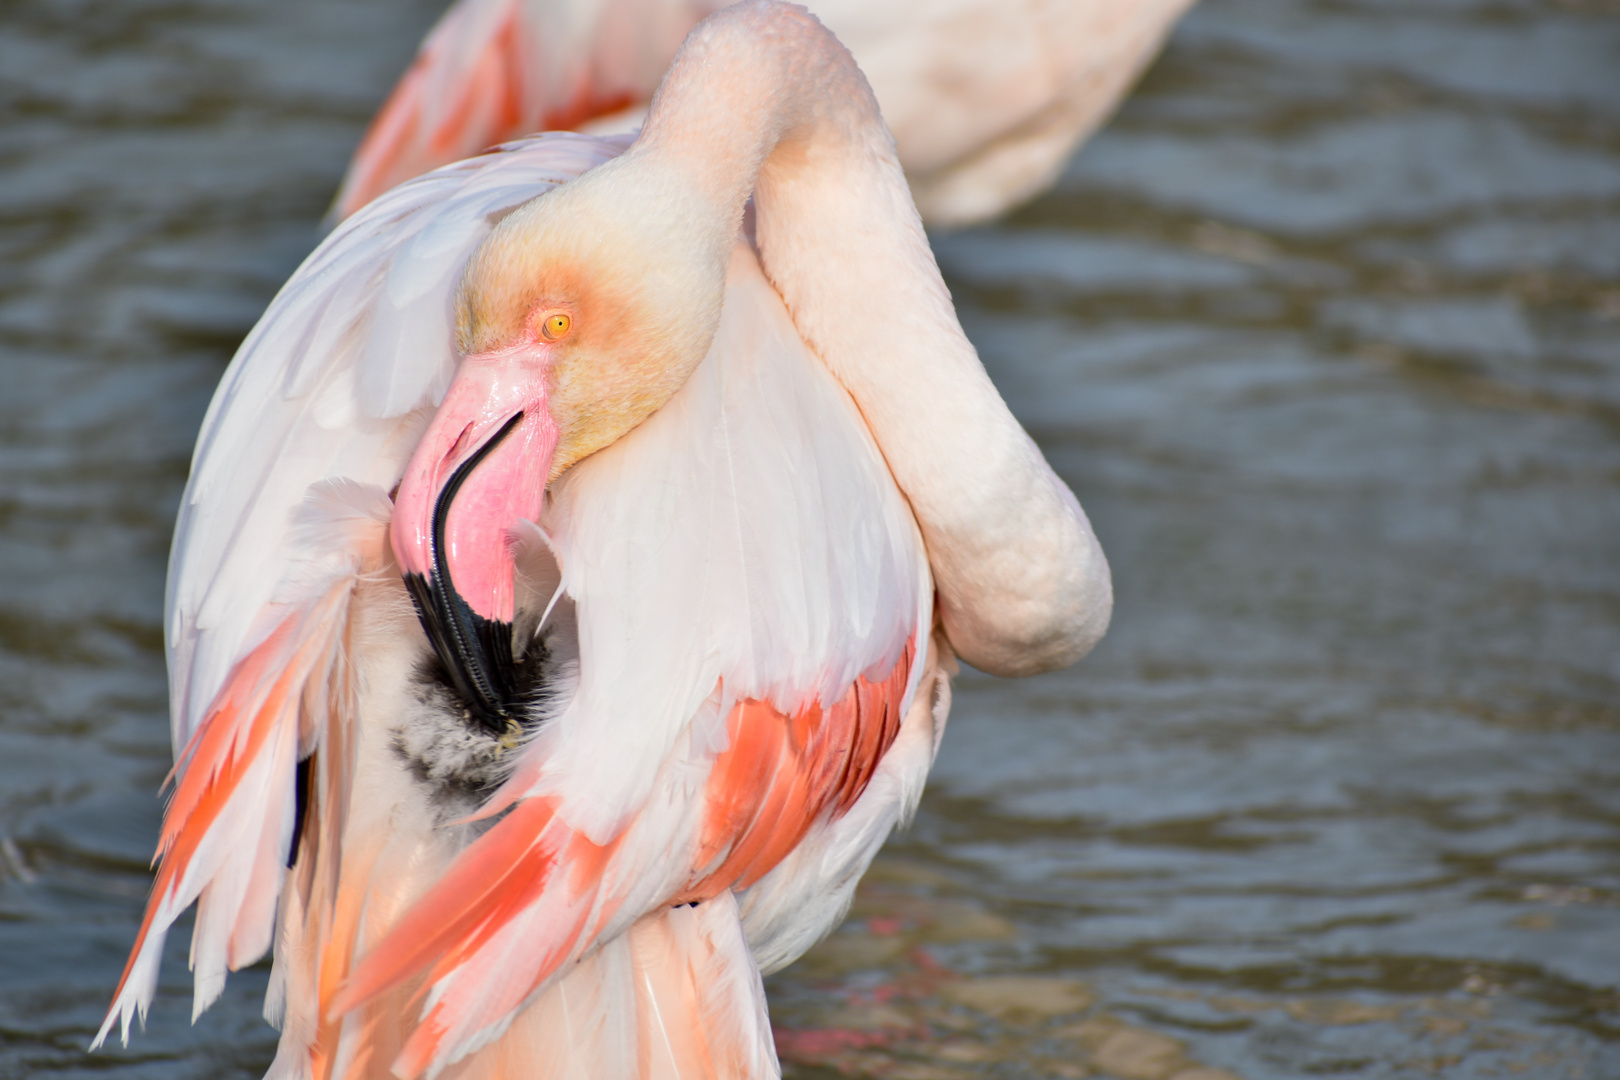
(763, 100)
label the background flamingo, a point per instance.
(986, 98)
(697, 684)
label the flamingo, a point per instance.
(987, 99)
(565, 595)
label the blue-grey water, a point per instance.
(1324, 330)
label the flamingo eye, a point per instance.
(555, 326)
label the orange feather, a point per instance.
(780, 775)
(224, 747)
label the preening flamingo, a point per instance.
(565, 593)
(986, 98)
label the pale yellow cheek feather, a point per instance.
(627, 355)
(595, 289)
(596, 405)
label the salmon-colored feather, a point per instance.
(478, 83)
(224, 747)
(779, 776)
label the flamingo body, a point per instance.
(565, 593)
(986, 98)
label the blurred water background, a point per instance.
(1325, 331)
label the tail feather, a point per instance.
(730, 992)
(678, 997)
(701, 1006)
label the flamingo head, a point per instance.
(580, 315)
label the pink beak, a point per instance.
(481, 467)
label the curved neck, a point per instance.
(762, 89)
(763, 100)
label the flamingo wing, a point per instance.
(753, 610)
(286, 509)
(335, 380)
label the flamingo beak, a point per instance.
(480, 468)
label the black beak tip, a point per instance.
(476, 652)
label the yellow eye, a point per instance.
(555, 326)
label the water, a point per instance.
(1324, 330)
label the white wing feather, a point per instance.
(336, 380)
(748, 534)
(331, 387)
